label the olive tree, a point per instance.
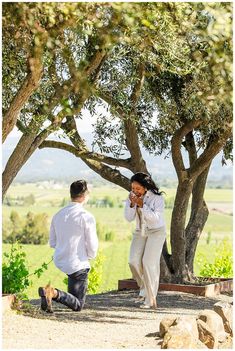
(161, 71)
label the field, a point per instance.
(48, 198)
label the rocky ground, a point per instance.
(109, 320)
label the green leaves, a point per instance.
(15, 272)
(222, 267)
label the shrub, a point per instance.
(109, 236)
(95, 275)
(103, 233)
(32, 231)
(15, 272)
(36, 229)
(222, 267)
(29, 200)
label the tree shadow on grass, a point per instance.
(119, 306)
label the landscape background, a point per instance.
(41, 187)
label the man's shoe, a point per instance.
(47, 294)
(42, 294)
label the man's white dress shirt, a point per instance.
(152, 212)
(73, 236)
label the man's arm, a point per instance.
(52, 239)
(91, 238)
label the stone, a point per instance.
(206, 335)
(188, 323)
(225, 311)
(176, 338)
(227, 344)
(164, 325)
(214, 322)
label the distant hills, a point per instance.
(59, 165)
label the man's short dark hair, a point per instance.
(78, 188)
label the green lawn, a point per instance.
(113, 219)
(115, 264)
(218, 226)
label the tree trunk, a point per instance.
(198, 218)
(166, 270)
(178, 240)
(29, 85)
(16, 160)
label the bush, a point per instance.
(34, 230)
(222, 267)
(103, 233)
(15, 272)
(29, 200)
(109, 236)
(94, 276)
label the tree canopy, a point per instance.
(156, 75)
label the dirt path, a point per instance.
(110, 320)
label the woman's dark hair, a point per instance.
(146, 181)
(78, 188)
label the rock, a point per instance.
(188, 323)
(164, 325)
(227, 344)
(225, 311)
(176, 338)
(206, 335)
(214, 322)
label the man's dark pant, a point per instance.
(77, 287)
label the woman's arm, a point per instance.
(154, 211)
(129, 212)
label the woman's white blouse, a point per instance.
(152, 211)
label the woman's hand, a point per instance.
(132, 198)
(135, 200)
(139, 201)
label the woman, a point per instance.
(146, 204)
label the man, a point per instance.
(73, 236)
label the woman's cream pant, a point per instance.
(144, 261)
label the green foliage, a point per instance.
(222, 266)
(104, 234)
(110, 236)
(29, 200)
(34, 230)
(95, 274)
(15, 271)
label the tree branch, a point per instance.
(210, 152)
(176, 142)
(85, 154)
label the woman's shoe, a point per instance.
(147, 307)
(143, 306)
(139, 299)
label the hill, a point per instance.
(59, 165)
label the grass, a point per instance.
(115, 267)
(112, 218)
